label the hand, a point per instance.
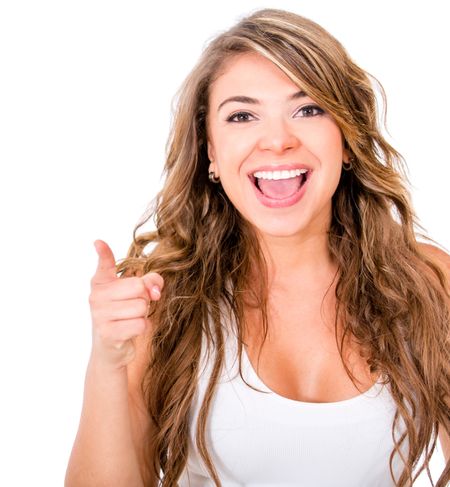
(119, 308)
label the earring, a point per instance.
(213, 178)
(349, 165)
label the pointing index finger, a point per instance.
(106, 266)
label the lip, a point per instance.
(279, 167)
(275, 203)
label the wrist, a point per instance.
(103, 365)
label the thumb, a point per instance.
(154, 283)
(106, 266)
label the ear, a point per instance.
(211, 152)
(345, 155)
(212, 157)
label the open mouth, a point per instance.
(280, 189)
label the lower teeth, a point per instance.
(303, 180)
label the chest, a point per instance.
(300, 357)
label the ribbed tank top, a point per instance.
(264, 439)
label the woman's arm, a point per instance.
(104, 453)
(114, 427)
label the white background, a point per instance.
(85, 108)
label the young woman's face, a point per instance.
(274, 132)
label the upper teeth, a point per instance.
(279, 174)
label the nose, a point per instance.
(278, 137)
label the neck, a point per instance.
(302, 276)
(300, 264)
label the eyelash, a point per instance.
(320, 112)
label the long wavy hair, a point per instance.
(391, 296)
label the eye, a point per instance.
(309, 109)
(233, 118)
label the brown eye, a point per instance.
(237, 117)
(308, 111)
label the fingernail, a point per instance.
(156, 290)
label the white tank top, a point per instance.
(264, 439)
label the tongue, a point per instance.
(281, 188)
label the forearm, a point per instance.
(103, 452)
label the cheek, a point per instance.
(326, 144)
(231, 152)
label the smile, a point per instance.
(279, 174)
(280, 189)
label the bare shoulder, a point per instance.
(436, 253)
(439, 257)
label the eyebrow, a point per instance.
(254, 101)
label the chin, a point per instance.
(280, 230)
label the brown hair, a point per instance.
(392, 297)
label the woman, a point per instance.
(286, 327)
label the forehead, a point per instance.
(250, 74)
